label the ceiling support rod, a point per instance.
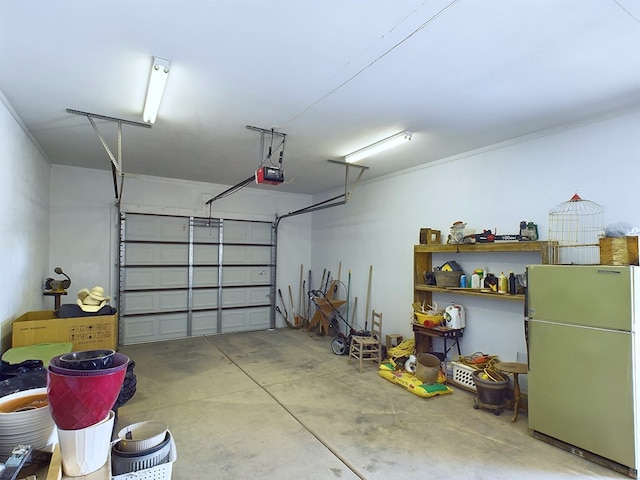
(266, 130)
(116, 163)
(346, 196)
(231, 190)
(228, 192)
(110, 119)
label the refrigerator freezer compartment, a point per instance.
(596, 296)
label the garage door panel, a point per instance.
(205, 276)
(257, 296)
(205, 323)
(206, 234)
(205, 254)
(238, 297)
(245, 319)
(170, 301)
(154, 254)
(172, 326)
(159, 301)
(240, 254)
(205, 299)
(140, 302)
(139, 329)
(151, 228)
(154, 327)
(150, 277)
(237, 276)
(235, 231)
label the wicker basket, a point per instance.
(447, 279)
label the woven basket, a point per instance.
(447, 279)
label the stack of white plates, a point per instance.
(25, 418)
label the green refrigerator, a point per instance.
(583, 360)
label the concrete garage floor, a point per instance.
(280, 405)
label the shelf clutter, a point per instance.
(425, 280)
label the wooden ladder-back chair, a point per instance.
(366, 348)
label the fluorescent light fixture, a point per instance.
(377, 147)
(157, 82)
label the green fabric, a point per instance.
(434, 387)
(43, 351)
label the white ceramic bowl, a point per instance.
(142, 436)
(33, 425)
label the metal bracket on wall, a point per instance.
(116, 163)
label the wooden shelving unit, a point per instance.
(423, 262)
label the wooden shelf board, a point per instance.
(472, 292)
(524, 246)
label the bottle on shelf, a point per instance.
(503, 285)
(513, 287)
(491, 282)
(475, 280)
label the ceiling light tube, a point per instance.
(157, 82)
(377, 147)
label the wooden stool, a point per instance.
(515, 369)
(393, 340)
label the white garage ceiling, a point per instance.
(333, 75)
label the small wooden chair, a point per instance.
(369, 347)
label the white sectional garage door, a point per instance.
(186, 276)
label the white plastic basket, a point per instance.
(463, 376)
(159, 472)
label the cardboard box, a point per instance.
(86, 333)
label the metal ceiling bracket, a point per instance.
(262, 158)
(347, 193)
(345, 197)
(116, 163)
(109, 119)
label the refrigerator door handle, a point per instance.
(526, 338)
(526, 313)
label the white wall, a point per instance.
(494, 188)
(24, 222)
(85, 226)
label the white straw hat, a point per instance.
(92, 300)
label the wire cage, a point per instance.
(576, 227)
